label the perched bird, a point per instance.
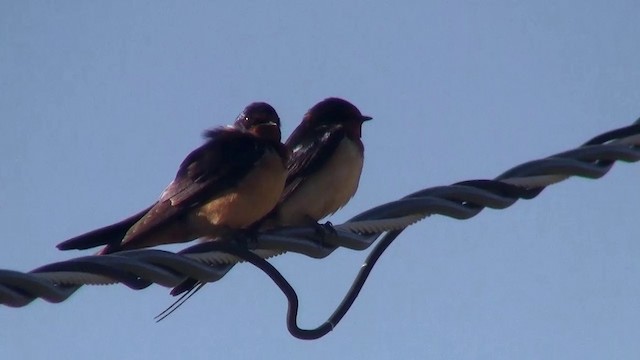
(325, 164)
(324, 170)
(228, 183)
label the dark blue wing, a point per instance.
(310, 151)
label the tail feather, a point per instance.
(108, 235)
(185, 286)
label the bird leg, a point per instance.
(246, 238)
(323, 231)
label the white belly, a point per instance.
(327, 190)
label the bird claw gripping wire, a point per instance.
(138, 269)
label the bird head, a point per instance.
(260, 119)
(336, 111)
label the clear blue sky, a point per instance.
(100, 101)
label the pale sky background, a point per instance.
(101, 101)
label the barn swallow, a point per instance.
(228, 183)
(324, 170)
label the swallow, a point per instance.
(324, 167)
(231, 181)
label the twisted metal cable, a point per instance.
(138, 269)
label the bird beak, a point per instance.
(366, 118)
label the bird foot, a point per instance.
(246, 238)
(323, 231)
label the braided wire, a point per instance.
(139, 269)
